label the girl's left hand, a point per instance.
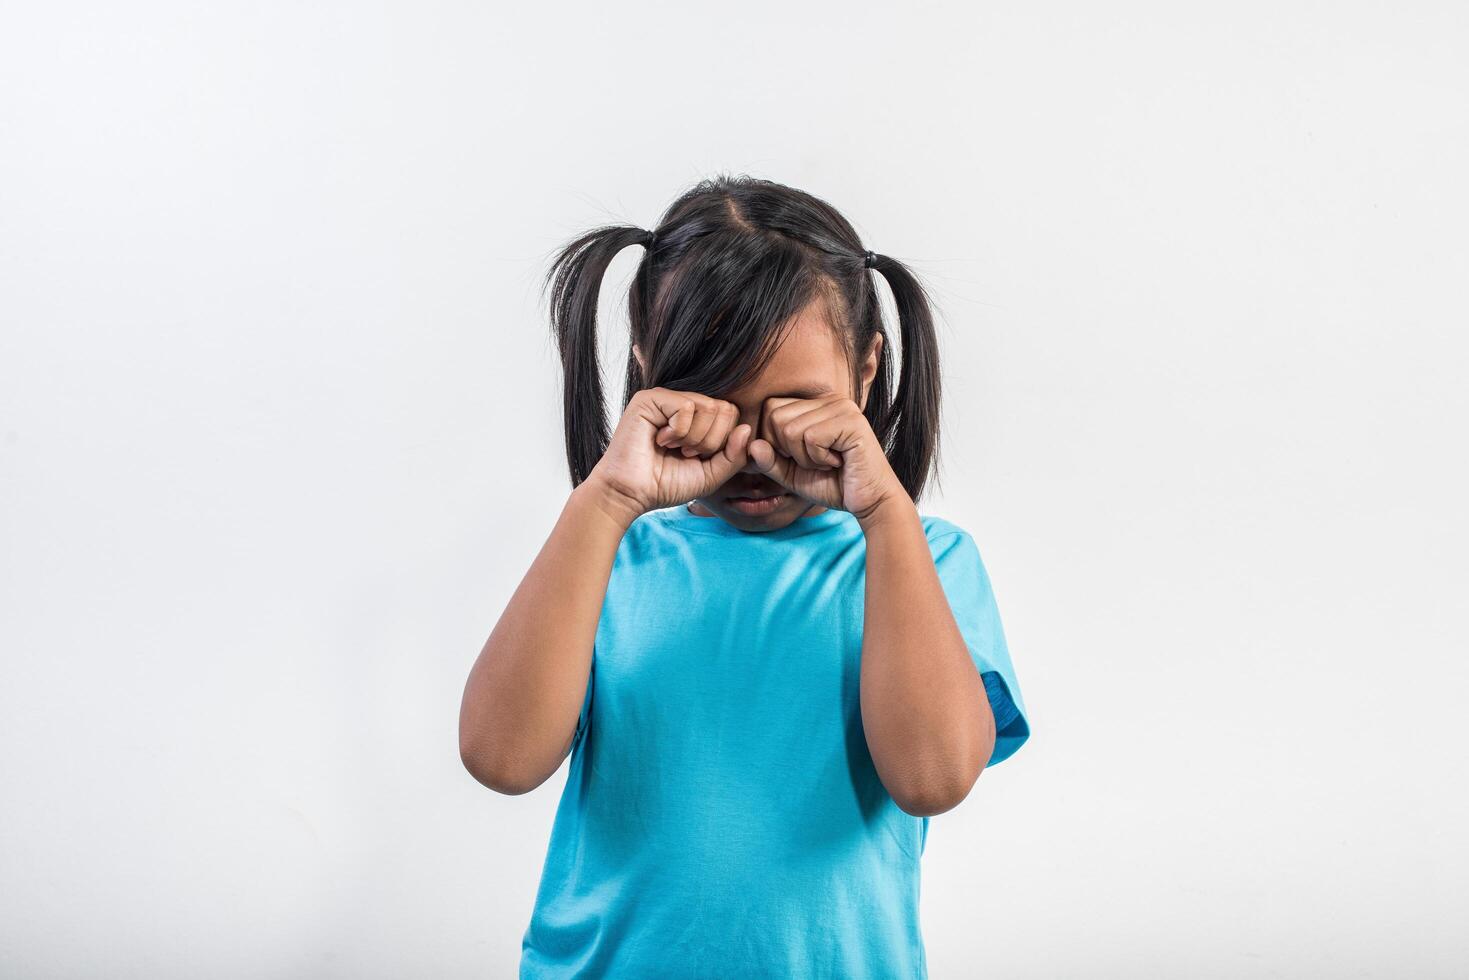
(824, 449)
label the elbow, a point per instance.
(930, 790)
(932, 797)
(936, 789)
(491, 768)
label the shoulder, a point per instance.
(646, 527)
(952, 546)
(649, 521)
(938, 529)
(960, 566)
(649, 538)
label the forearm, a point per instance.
(525, 691)
(925, 713)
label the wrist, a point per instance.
(617, 506)
(894, 509)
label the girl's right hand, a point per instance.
(671, 447)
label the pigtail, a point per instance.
(910, 430)
(575, 280)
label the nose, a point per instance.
(754, 417)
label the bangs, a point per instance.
(720, 316)
(727, 270)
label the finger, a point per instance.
(672, 434)
(670, 412)
(731, 457)
(726, 417)
(705, 415)
(764, 428)
(770, 430)
(663, 403)
(787, 410)
(822, 457)
(802, 429)
(779, 414)
(659, 406)
(829, 427)
(767, 461)
(795, 437)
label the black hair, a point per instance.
(727, 268)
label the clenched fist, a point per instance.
(824, 449)
(671, 447)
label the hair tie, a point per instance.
(647, 240)
(869, 259)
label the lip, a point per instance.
(756, 506)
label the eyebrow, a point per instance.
(808, 391)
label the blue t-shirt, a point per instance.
(722, 817)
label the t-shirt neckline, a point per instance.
(686, 520)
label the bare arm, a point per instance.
(925, 712)
(525, 691)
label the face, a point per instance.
(809, 363)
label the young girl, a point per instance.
(769, 669)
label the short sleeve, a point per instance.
(967, 587)
(586, 707)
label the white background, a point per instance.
(279, 434)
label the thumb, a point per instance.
(727, 462)
(771, 463)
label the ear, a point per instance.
(642, 365)
(869, 367)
